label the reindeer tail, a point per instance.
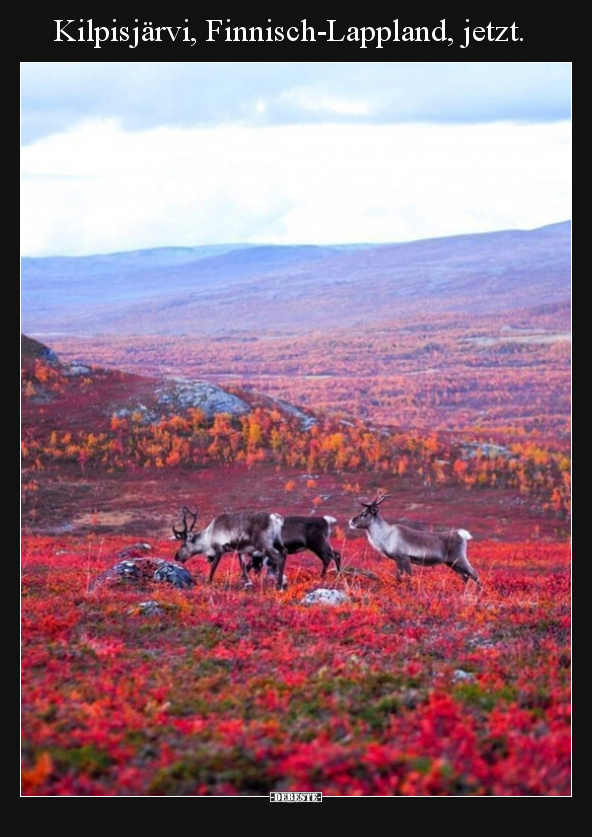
(465, 535)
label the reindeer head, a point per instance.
(185, 535)
(364, 519)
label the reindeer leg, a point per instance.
(465, 575)
(326, 554)
(277, 561)
(474, 575)
(465, 570)
(403, 566)
(322, 554)
(255, 563)
(337, 559)
(215, 561)
(244, 570)
(281, 581)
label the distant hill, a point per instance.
(77, 396)
(34, 350)
(206, 290)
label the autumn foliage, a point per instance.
(506, 373)
(412, 690)
(267, 435)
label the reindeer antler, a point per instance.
(380, 498)
(187, 510)
(182, 534)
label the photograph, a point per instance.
(295, 428)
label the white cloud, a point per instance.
(99, 188)
(143, 95)
(314, 101)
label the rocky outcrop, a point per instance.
(141, 572)
(181, 393)
(31, 348)
(75, 369)
(306, 421)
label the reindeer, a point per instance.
(300, 533)
(246, 533)
(409, 546)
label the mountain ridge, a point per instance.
(300, 287)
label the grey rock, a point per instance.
(306, 421)
(183, 393)
(76, 369)
(480, 642)
(460, 675)
(48, 354)
(325, 596)
(150, 608)
(491, 451)
(142, 571)
(146, 416)
(174, 574)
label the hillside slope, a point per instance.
(294, 289)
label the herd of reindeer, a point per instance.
(262, 539)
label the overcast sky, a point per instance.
(126, 156)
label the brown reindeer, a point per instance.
(300, 532)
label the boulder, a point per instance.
(181, 393)
(325, 596)
(141, 572)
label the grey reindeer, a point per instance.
(245, 533)
(409, 546)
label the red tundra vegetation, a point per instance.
(506, 374)
(413, 689)
(410, 689)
